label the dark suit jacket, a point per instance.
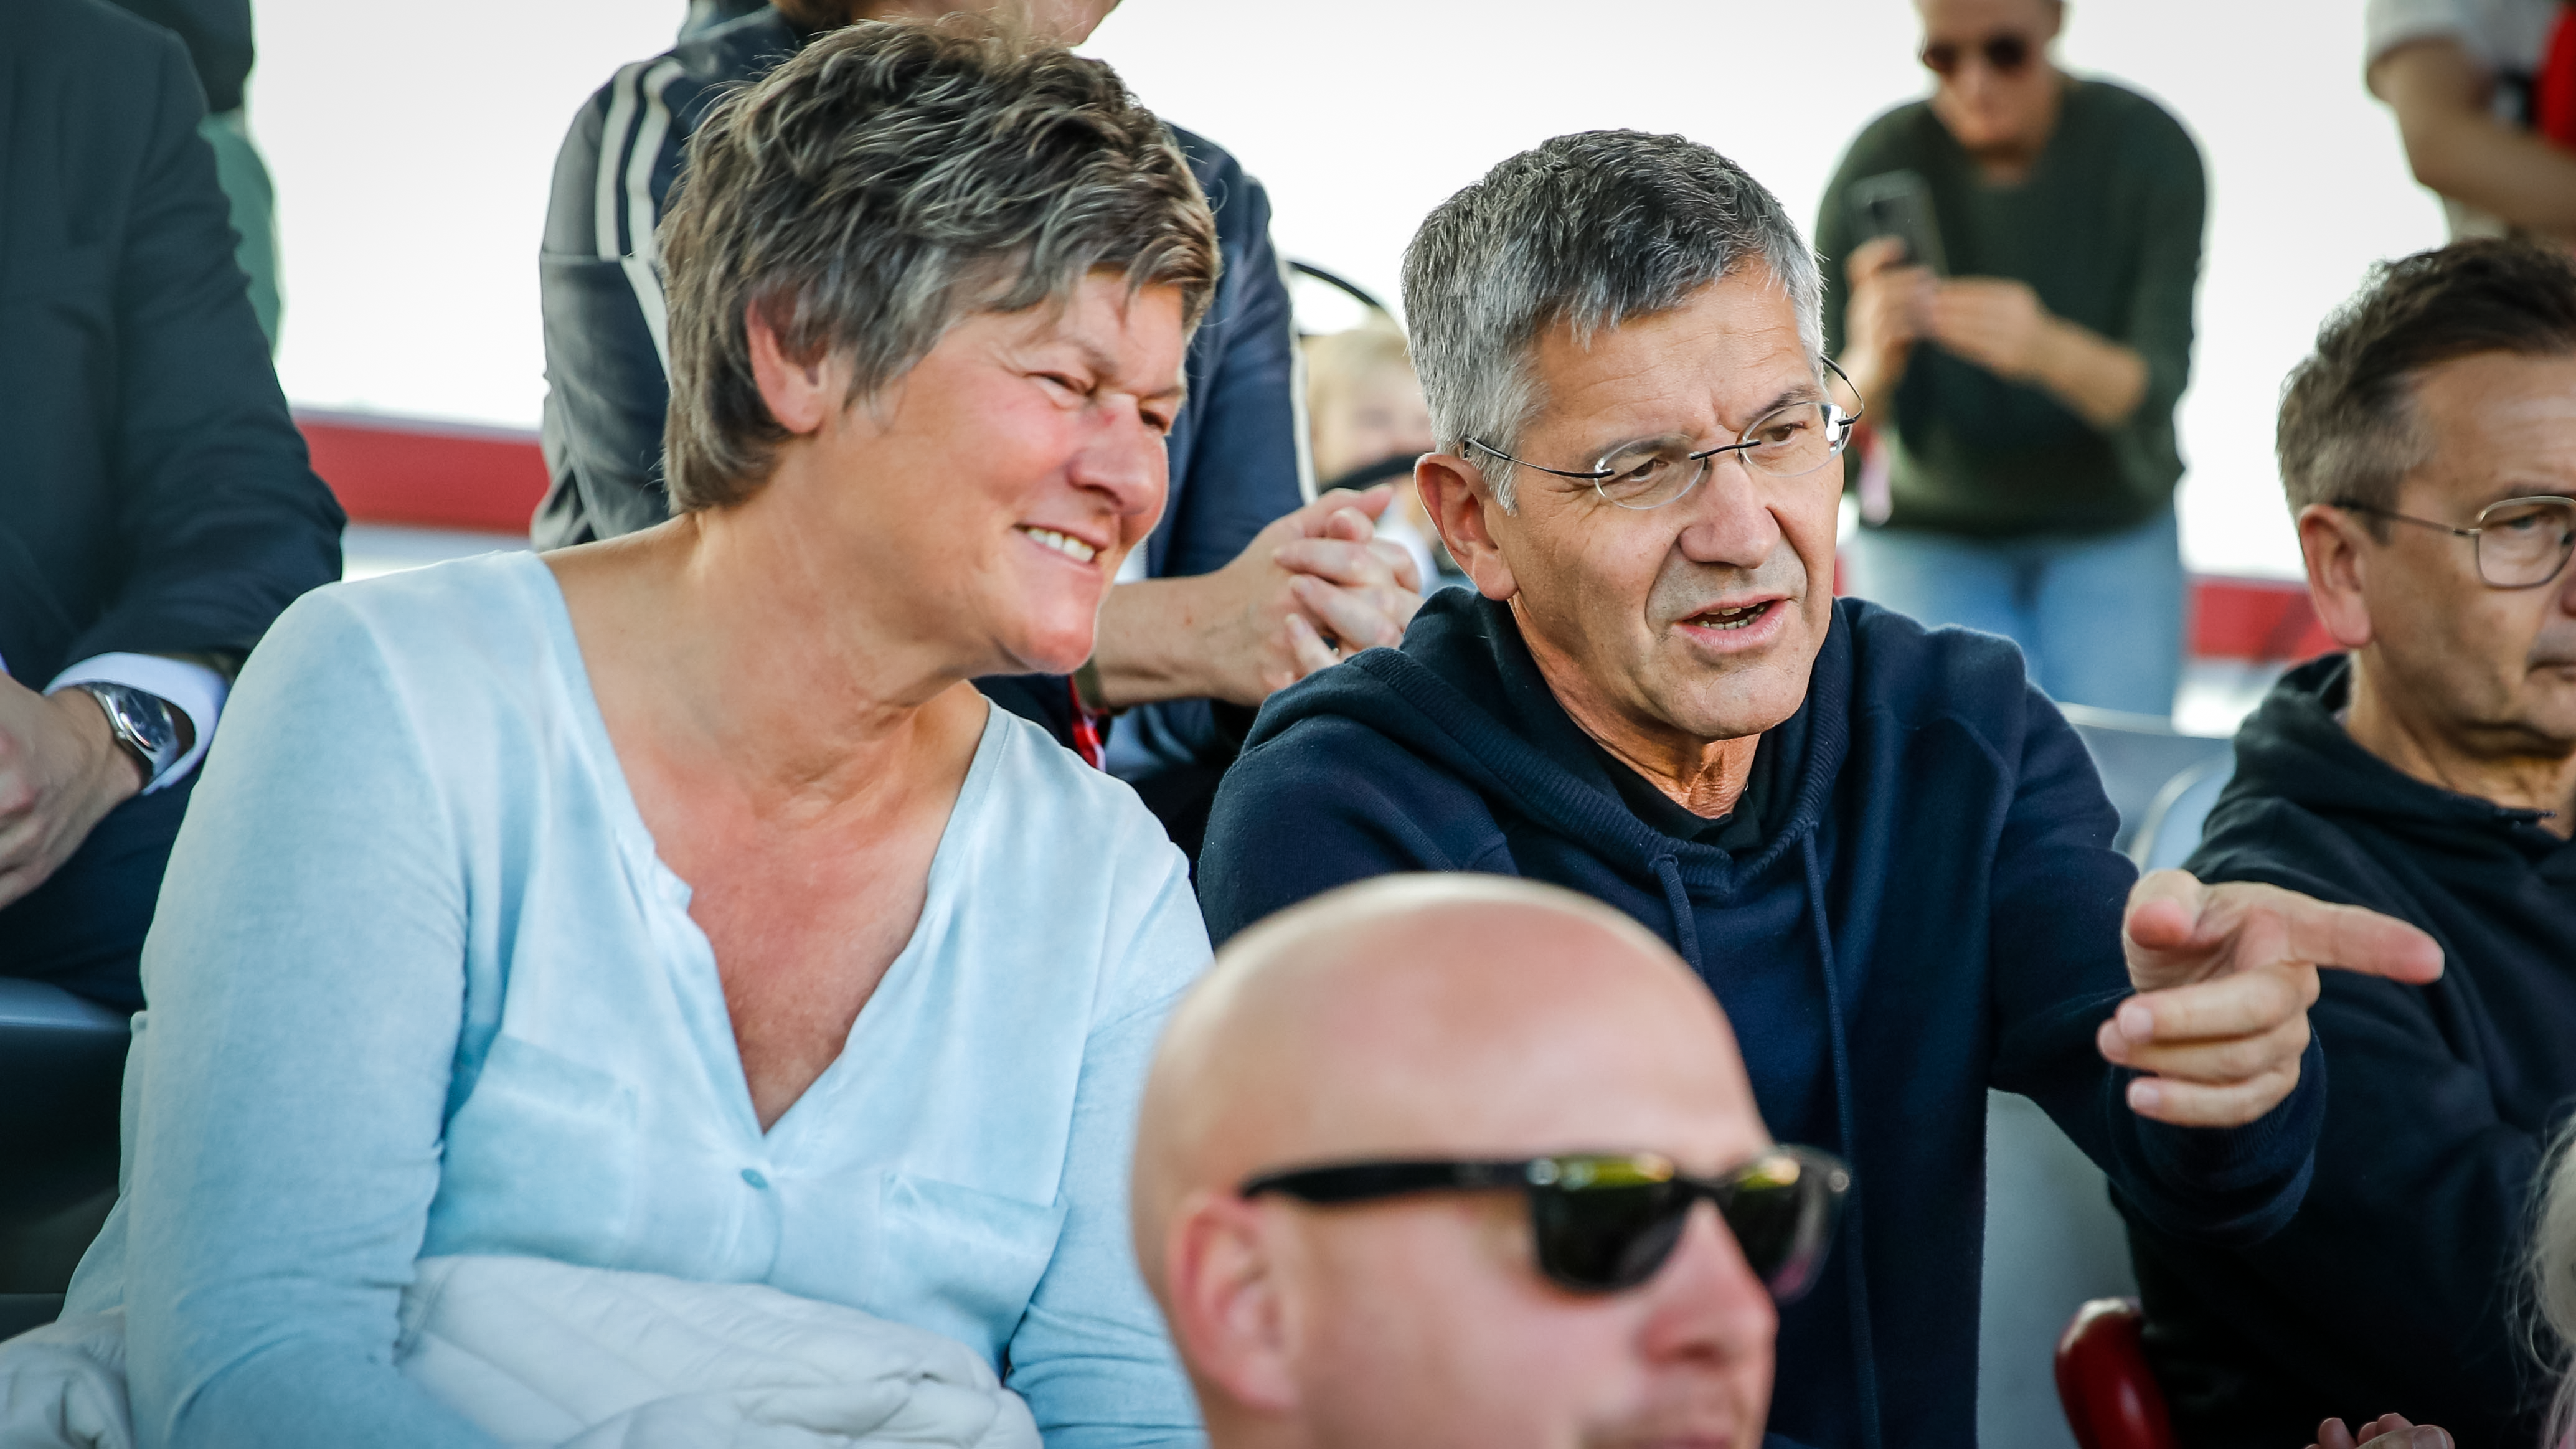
(155, 496)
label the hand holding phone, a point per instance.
(1899, 204)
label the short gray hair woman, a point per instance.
(675, 904)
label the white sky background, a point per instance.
(413, 148)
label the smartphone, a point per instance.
(1899, 204)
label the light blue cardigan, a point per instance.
(420, 985)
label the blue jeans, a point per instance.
(2099, 617)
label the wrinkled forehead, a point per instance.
(2495, 425)
(1732, 350)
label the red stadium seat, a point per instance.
(2111, 1398)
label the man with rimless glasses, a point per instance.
(2429, 452)
(1880, 846)
(1452, 1160)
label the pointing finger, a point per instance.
(2350, 938)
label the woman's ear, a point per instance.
(1228, 1306)
(800, 395)
(1462, 507)
(2333, 544)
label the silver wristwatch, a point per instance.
(145, 724)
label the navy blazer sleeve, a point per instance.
(1235, 452)
(173, 506)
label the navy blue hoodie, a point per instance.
(1932, 908)
(2446, 1097)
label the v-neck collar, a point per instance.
(664, 897)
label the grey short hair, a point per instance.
(877, 188)
(1590, 229)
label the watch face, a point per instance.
(142, 722)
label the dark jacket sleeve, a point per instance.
(606, 391)
(2412, 1152)
(2059, 892)
(218, 36)
(1235, 446)
(219, 518)
(1235, 455)
(1327, 802)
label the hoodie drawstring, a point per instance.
(1685, 925)
(1863, 1345)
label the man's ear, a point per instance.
(800, 395)
(1462, 507)
(1227, 1304)
(2334, 544)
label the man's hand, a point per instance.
(2002, 326)
(1312, 587)
(2388, 1431)
(1889, 302)
(1993, 322)
(2225, 975)
(60, 772)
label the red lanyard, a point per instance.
(1086, 727)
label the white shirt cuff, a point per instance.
(193, 689)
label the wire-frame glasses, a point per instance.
(1785, 442)
(2521, 543)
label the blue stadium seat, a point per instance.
(2053, 1240)
(2171, 828)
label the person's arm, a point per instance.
(2058, 897)
(1238, 448)
(221, 521)
(306, 986)
(1213, 622)
(1090, 1355)
(607, 387)
(2001, 325)
(193, 688)
(2457, 147)
(60, 773)
(62, 768)
(1325, 803)
(1263, 621)
(2126, 384)
(1872, 301)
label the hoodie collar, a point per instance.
(1463, 690)
(2293, 747)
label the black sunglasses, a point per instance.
(1604, 1222)
(2005, 54)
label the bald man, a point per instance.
(1405, 1154)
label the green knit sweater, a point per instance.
(2106, 229)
